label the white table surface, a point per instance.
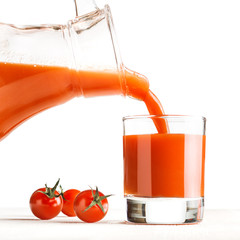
(21, 224)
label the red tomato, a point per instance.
(91, 205)
(46, 203)
(44, 207)
(68, 201)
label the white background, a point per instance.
(189, 50)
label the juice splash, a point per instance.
(164, 165)
(26, 90)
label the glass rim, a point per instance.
(165, 116)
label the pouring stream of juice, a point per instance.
(26, 90)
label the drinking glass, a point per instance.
(164, 172)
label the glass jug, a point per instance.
(42, 66)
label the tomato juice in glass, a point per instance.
(164, 171)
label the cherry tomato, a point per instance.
(68, 201)
(91, 205)
(46, 203)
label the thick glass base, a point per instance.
(164, 210)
